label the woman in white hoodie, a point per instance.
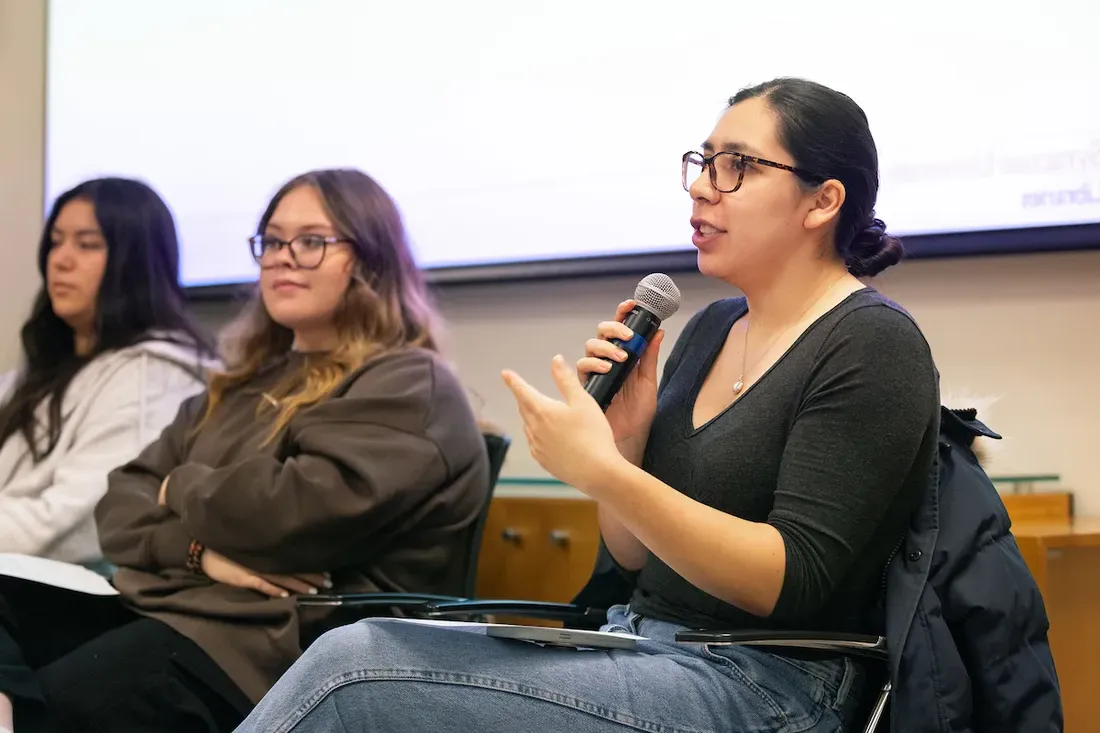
(109, 355)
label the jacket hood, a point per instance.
(178, 349)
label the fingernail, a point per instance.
(285, 594)
(313, 591)
(328, 583)
(621, 354)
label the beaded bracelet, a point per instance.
(194, 556)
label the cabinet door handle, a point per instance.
(511, 535)
(559, 537)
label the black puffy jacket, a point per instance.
(965, 623)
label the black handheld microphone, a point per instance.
(656, 298)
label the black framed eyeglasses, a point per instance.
(727, 169)
(307, 250)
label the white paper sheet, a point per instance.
(55, 573)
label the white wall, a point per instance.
(22, 114)
(1021, 328)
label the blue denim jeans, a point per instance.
(389, 675)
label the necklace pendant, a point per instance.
(738, 386)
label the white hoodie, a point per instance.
(115, 406)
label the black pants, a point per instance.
(75, 662)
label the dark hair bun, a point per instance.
(873, 250)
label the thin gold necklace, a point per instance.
(740, 383)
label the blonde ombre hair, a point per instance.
(385, 308)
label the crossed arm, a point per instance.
(345, 469)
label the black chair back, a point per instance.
(497, 448)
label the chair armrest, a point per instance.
(860, 644)
(375, 600)
(532, 609)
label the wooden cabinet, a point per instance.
(537, 549)
(1064, 557)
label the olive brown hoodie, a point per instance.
(377, 485)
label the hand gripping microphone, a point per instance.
(656, 298)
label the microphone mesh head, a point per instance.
(659, 295)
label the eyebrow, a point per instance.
(733, 147)
(304, 229)
(79, 232)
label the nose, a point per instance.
(61, 256)
(701, 190)
(279, 257)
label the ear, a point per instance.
(825, 204)
(355, 271)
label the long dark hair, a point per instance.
(140, 293)
(386, 307)
(827, 133)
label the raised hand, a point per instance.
(630, 414)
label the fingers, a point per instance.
(255, 582)
(294, 584)
(613, 330)
(604, 349)
(655, 344)
(598, 351)
(591, 365)
(317, 580)
(653, 351)
(566, 380)
(523, 393)
(527, 397)
(600, 354)
(520, 389)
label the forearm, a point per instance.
(219, 507)
(300, 515)
(134, 530)
(156, 541)
(625, 548)
(699, 542)
(633, 449)
(6, 716)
